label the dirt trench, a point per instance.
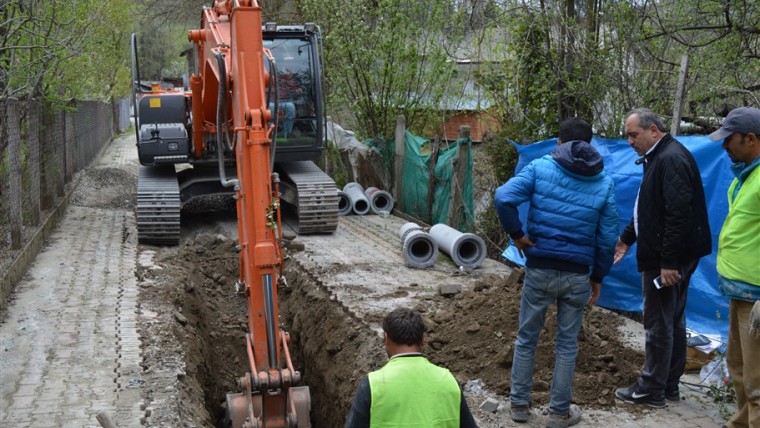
(198, 346)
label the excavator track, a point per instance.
(158, 206)
(314, 195)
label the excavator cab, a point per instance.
(297, 89)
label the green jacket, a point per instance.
(410, 391)
(739, 242)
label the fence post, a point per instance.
(60, 150)
(4, 173)
(432, 178)
(14, 179)
(457, 180)
(32, 121)
(398, 180)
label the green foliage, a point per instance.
(65, 49)
(386, 57)
(332, 164)
(502, 159)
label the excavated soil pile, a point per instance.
(471, 333)
(474, 337)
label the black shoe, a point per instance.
(635, 395)
(673, 394)
(519, 413)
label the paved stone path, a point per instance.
(69, 347)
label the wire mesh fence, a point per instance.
(41, 150)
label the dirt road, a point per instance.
(154, 335)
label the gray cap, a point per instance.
(744, 120)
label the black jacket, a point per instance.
(672, 215)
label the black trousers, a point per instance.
(665, 327)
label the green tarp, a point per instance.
(417, 159)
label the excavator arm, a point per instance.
(229, 98)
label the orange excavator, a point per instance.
(240, 129)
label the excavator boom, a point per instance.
(227, 126)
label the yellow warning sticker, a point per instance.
(155, 103)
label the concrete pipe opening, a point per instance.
(359, 202)
(361, 207)
(469, 252)
(380, 200)
(344, 203)
(465, 249)
(422, 251)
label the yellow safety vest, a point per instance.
(739, 241)
(413, 392)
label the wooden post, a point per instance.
(398, 178)
(457, 180)
(32, 121)
(68, 146)
(432, 178)
(678, 103)
(60, 150)
(14, 176)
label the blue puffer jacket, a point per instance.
(572, 217)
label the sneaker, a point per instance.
(519, 413)
(635, 395)
(571, 418)
(673, 394)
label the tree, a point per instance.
(63, 48)
(388, 57)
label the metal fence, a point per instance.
(41, 150)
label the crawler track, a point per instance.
(314, 195)
(158, 206)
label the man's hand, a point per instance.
(754, 320)
(522, 244)
(621, 249)
(669, 277)
(596, 291)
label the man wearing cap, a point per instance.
(739, 260)
(670, 226)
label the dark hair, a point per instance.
(647, 118)
(404, 326)
(575, 129)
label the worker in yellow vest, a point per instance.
(739, 258)
(409, 391)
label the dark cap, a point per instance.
(743, 120)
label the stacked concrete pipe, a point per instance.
(465, 249)
(344, 203)
(359, 201)
(379, 200)
(419, 248)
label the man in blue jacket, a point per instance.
(571, 233)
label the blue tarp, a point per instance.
(707, 308)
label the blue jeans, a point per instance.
(542, 288)
(290, 115)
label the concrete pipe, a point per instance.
(344, 203)
(419, 248)
(465, 249)
(359, 201)
(379, 200)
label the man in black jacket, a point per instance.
(670, 225)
